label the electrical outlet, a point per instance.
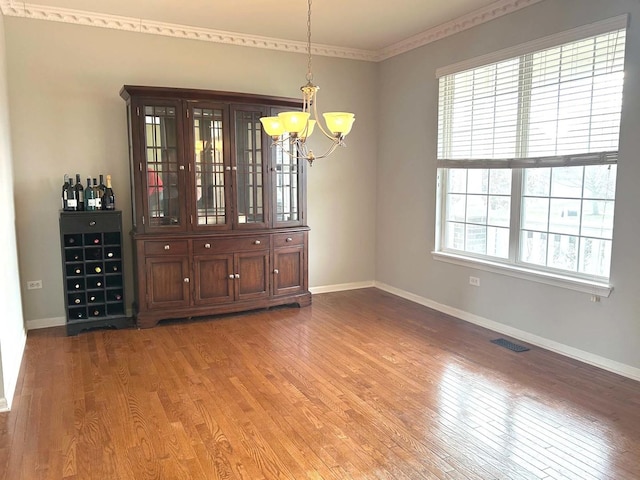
(34, 284)
(475, 281)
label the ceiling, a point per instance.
(356, 24)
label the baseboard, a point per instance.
(341, 287)
(55, 321)
(12, 381)
(571, 352)
(45, 323)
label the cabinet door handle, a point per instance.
(257, 242)
(237, 275)
(207, 245)
(234, 168)
(92, 223)
(276, 271)
(289, 239)
(167, 247)
(228, 169)
(181, 167)
(186, 280)
(232, 276)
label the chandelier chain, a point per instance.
(309, 73)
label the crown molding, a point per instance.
(140, 25)
(80, 17)
(490, 12)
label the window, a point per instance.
(527, 156)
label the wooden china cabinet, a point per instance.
(218, 214)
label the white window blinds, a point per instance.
(554, 107)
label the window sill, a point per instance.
(585, 286)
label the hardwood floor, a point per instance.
(361, 385)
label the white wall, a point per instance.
(67, 117)
(12, 334)
(407, 194)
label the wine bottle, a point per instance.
(101, 188)
(72, 199)
(90, 197)
(97, 195)
(65, 188)
(79, 192)
(109, 199)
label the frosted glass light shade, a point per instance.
(307, 133)
(273, 126)
(339, 123)
(294, 122)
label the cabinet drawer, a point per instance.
(169, 247)
(88, 222)
(229, 245)
(288, 239)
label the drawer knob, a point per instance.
(181, 167)
(234, 168)
(92, 223)
(237, 275)
(207, 245)
(257, 242)
(228, 169)
(232, 276)
(186, 280)
(276, 271)
(167, 247)
(289, 239)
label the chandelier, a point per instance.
(291, 129)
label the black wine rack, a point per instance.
(92, 265)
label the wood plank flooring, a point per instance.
(361, 385)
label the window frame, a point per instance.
(513, 266)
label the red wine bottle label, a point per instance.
(96, 241)
(99, 284)
(77, 270)
(77, 285)
(98, 269)
(77, 300)
(72, 203)
(110, 254)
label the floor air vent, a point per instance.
(510, 345)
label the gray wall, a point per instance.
(407, 192)
(12, 334)
(67, 117)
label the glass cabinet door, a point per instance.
(250, 169)
(209, 173)
(287, 179)
(161, 143)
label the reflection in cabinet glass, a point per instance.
(211, 203)
(161, 144)
(287, 173)
(209, 166)
(249, 167)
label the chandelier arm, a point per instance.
(331, 149)
(317, 119)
